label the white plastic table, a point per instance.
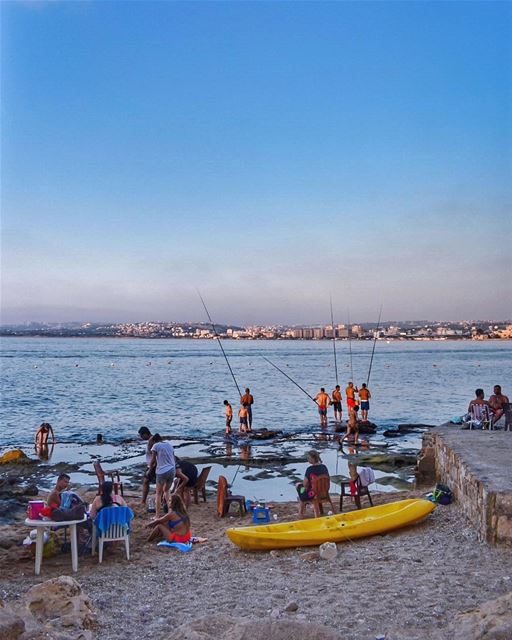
(41, 525)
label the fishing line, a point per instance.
(334, 343)
(290, 379)
(373, 349)
(350, 346)
(220, 342)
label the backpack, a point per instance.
(442, 494)
(72, 507)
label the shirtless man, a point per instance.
(350, 393)
(364, 396)
(229, 416)
(323, 401)
(336, 403)
(62, 484)
(248, 401)
(479, 409)
(498, 403)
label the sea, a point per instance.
(113, 386)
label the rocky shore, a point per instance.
(425, 582)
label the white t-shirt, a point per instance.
(164, 457)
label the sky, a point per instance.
(269, 154)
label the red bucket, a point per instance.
(34, 509)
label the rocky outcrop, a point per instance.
(490, 621)
(222, 628)
(60, 604)
(11, 625)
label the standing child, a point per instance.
(173, 526)
(243, 414)
(229, 416)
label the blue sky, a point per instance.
(271, 154)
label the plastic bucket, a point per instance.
(34, 509)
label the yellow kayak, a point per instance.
(337, 528)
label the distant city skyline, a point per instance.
(270, 154)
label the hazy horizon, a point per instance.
(270, 154)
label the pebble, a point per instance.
(291, 606)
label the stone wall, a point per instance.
(476, 467)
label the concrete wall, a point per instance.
(476, 467)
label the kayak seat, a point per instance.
(320, 486)
(200, 485)
(225, 499)
(354, 489)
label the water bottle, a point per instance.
(151, 505)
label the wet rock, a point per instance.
(11, 625)
(393, 433)
(16, 456)
(388, 462)
(328, 551)
(408, 428)
(223, 628)
(490, 621)
(11, 509)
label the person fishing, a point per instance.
(336, 403)
(323, 401)
(350, 394)
(364, 396)
(247, 400)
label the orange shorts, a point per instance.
(174, 537)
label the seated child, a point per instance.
(174, 526)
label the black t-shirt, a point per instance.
(316, 470)
(190, 470)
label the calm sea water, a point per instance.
(114, 386)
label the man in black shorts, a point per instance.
(149, 475)
(187, 473)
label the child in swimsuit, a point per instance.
(174, 526)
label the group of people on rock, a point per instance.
(362, 401)
(244, 413)
(488, 411)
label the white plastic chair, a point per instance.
(480, 417)
(113, 533)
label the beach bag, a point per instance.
(442, 494)
(72, 507)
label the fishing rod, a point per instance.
(220, 342)
(373, 348)
(350, 346)
(290, 379)
(334, 342)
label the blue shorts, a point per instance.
(337, 406)
(322, 412)
(365, 405)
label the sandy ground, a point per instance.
(406, 585)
